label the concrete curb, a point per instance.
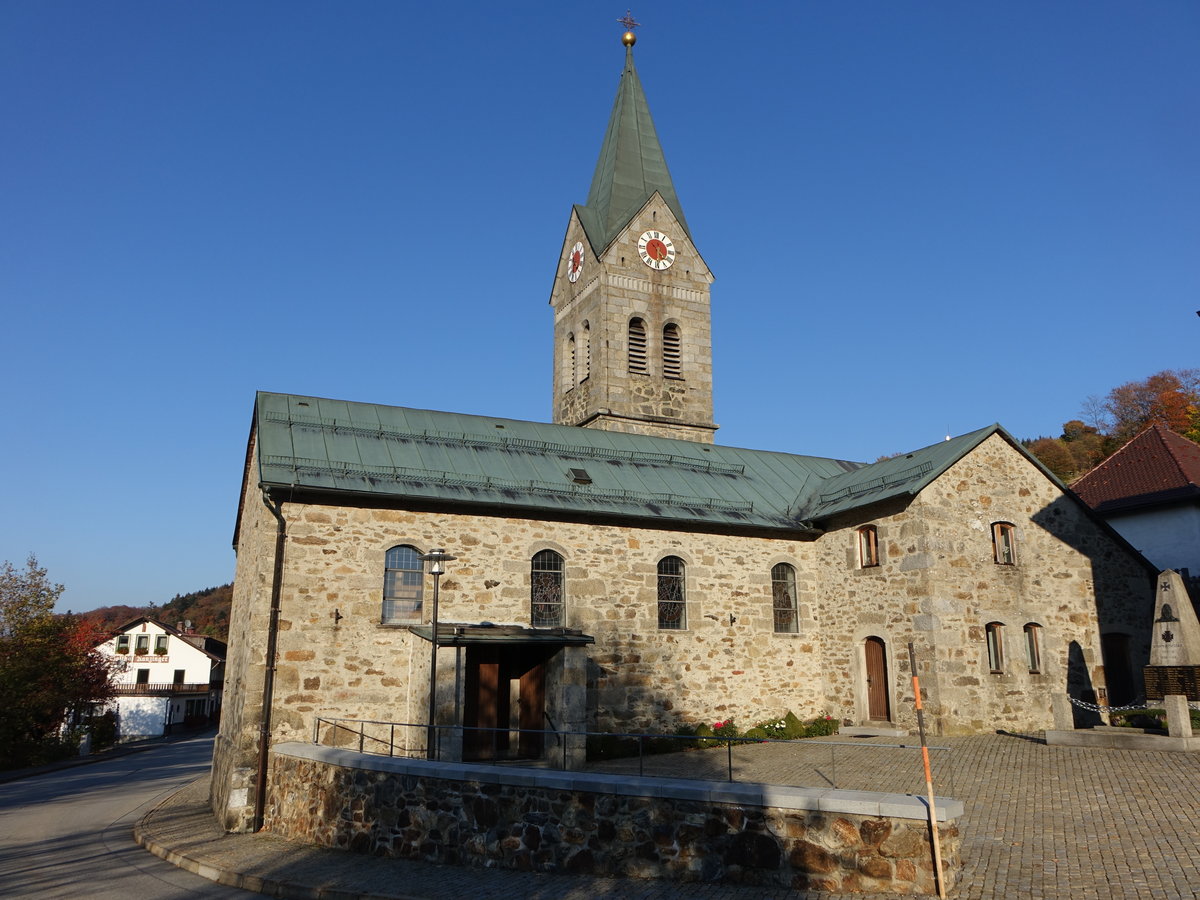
(144, 834)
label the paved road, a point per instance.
(68, 833)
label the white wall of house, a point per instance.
(1167, 536)
(168, 659)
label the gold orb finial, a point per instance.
(628, 38)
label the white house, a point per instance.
(168, 678)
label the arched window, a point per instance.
(995, 646)
(587, 352)
(868, 546)
(783, 594)
(637, 346)
(546, 590)
(1033, 647)
(671, 351)
(403, 584)
(1004, 543)
(672, 611)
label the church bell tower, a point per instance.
(632, 326)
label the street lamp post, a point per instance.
(436, 557)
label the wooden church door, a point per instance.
(877, 680)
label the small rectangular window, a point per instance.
(1004, 542)
(1033, 649)
(995, 647)
(143, 676)
(160, 644)
(122, 643)
(142, 644)
(672, 606)
(868, 546)
(179, 676)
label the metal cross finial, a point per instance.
(628, 21)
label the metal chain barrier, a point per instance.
(1140, 703)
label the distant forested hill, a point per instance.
(207, 610)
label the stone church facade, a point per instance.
(620, 571)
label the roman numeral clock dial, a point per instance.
(656, 250)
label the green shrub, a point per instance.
(758, 732)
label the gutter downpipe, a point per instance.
(268, 695)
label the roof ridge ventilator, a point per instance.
(428, 476)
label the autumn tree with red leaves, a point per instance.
(50, 671)
(1170, 398)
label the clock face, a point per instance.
(575, 262)
(656, 250)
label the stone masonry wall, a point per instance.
(551, 829)
(607, 295)
(937, 586)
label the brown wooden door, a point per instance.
(877, 680)
(485, 705)
(532, 710)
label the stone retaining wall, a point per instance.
(584, 823)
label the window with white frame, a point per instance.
(672, 607)
(403, 585)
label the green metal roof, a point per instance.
(906, 474)
(335, 446)
(631, 166)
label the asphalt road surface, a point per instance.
(69, 833)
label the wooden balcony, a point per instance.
(162, 689)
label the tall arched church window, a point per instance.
(671, 351)
(672, 608)
(586, 337)
(783, 599)
(546, 590)
(403, 585)
(569, 363)
(637, 346)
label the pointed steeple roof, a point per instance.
(631, 165)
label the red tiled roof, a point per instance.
(1157, 466)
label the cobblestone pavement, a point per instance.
(1041, 822)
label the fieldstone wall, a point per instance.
(472, 817)
(937, 585)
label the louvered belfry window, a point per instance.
(546, 590)
(637, 346)
(671, 351)
(587, 352)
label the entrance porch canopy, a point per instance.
(457, 634)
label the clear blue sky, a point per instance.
(922, 216)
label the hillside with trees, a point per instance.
(207, 610)
(1170, 398)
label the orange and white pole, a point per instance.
(933, 826)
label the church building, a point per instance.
(620, 571)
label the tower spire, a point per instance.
(631, 166)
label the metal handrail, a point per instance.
(702, 741)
